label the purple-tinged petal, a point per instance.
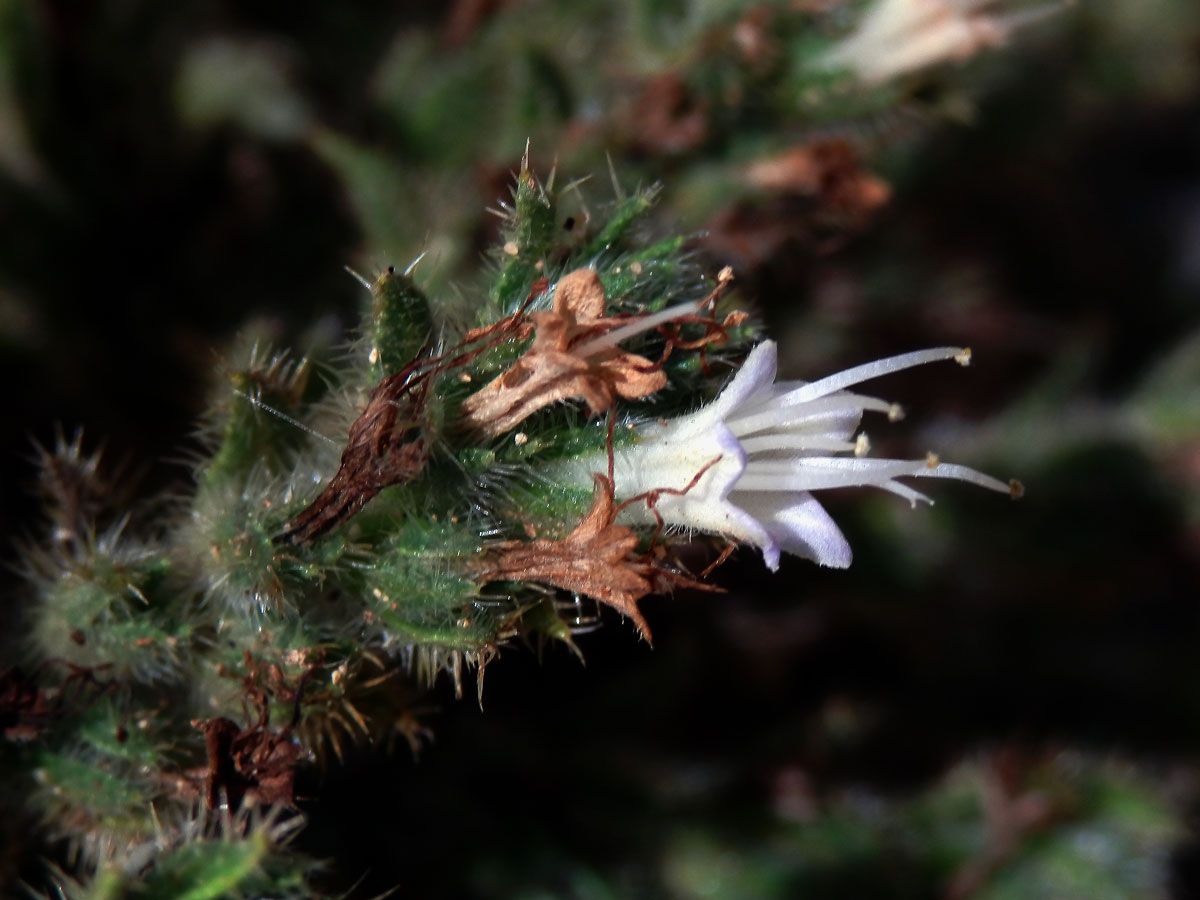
(801, 526)
(726, 519)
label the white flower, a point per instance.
(745, 465)
(899, 36)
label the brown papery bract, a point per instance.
(563, 362)
(596, 559)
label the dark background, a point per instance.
(1058, 235)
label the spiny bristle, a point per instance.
(70, 481)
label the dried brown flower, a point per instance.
(565, 361)
(386, 446)
(596, 559)
(666, 116)
(831, 171)
(251, 761)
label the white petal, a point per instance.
(756, 376)
(715, 517)
(705, 465)
(801, 526)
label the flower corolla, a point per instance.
(745, 465)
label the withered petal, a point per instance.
(580, 295)
(632, 376)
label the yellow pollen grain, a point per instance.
(511, 248)
(374, 357)
(895, 412)
(932, 460)
(1016, 490)
(635, 267)
(520, 439)
(963, 356)
(862, 445)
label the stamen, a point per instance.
(900, 489)
(840, 400)
(868, 371)
(797, 442)
(819, 415)
(614, 337)
(820, 472)
(967, 474)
